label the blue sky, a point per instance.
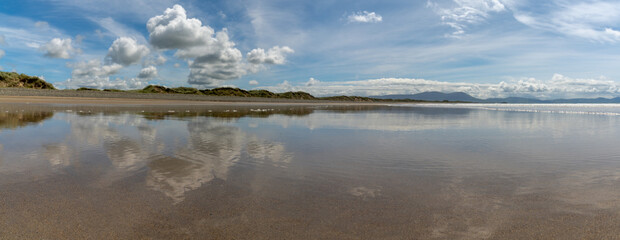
(487, 48)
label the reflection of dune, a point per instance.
(22, 119)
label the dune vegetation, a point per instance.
(16, 80)
(12, 79)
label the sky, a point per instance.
(486, 48)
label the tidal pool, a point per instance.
(309, 172)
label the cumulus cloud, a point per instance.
(253, 82)
(312, 82)
(211, 59)
(173, 30)
(149, 72)
(91, 73)
(211, 56)
(558, 86)
(275, 55)
(94, 74)
(126, 51)
(59, 48)
(365, 17)
(466, 12)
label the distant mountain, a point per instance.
(433, 96)
(464, 97)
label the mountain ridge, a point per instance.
(464, 97)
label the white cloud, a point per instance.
(173, 30)
(94, 69)
(2, 53)
(59, 48)
(149, 72)
(218, 62)
(176, 65)
(33, 45)
(275, 55)
(93, 74)
(2, 41)
(126, 51)
(41, 24)
(365, 17)
(253, 82)
(212, 59)
(211, 56)
(558, 86)
(466, 12)
(312, 82)
(594, 20)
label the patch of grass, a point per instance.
(12, 79)
(112, 90)
(296, 95)
(87, 89)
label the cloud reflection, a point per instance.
(178, 155)
(211, 150)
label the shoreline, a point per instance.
(42, 96)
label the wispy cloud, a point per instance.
(364, 17)
(594, 20)
(116, 29)
(558, 86)
(466, 12)
(41, 24)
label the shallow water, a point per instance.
(310, 172)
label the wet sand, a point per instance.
(305, 172)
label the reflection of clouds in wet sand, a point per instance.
(365, 192)
(266, 151)
(471, 213)
(413, 119)
(125, 153)
(211, 150)
(595, 188)
(206, 150)
(58, 154)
